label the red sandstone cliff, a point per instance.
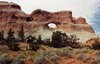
(10, 12)
(64, 20)
(11, 16)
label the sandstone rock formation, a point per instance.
(11, 16)
(10, 12)
(63, 19)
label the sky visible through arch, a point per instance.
(89, 9)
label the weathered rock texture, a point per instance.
(11, 16)
(10, 12)
(63, 19)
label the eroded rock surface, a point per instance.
(11, 16)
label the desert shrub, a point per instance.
(44, 56)
(4, 48)
(73, 41)
(53, 55)
(96, 60)
(4, 59)
(82, 57)
(40, 60)
(60, 39)
(10, 37)
(98, 53)
(96, 45)
(77, 51)
(2, 35)
(47, 42)
(15, 47)
(33, 45)
(86, 46)
(11, 41)
(16, 61)
(84, 50)
(67, 54)
(21, 34)
(39, 40)
(55, 59)
(64, 52)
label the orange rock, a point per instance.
(11, 16)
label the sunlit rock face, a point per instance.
(41, 22)
(10, 12)
(10, 15)
(65, 22)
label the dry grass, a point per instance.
(50, 55)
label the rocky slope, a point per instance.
(64, 21)
(43, 22)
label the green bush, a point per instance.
(11, 41)
(60, 39)
(5, 60)
(46, 55)
(21, 35)
(33, 43)
(83, 57)
(96, 60)
(96, 45)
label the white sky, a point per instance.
(84, 8)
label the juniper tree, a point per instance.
(73, 41)
(32, 43)
(60, 39)
(39, 40)
(11, 41)
(2, 35)
(21, 34)
(96, 44)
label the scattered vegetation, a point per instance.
(53, 55)
(60, 39)
(96, 45)
(46, 51)
(21, 34)
(2, 35)
(96, 60)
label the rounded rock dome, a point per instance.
(8, 5)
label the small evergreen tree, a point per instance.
(60, 39)
(32, 43)
(21, 34)
(47, 42)
(2, 35)
(11, 41)
(73, 41)
(15, 47)
(57, 39)
(96, 44)
(39, 40)
(10, 36)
